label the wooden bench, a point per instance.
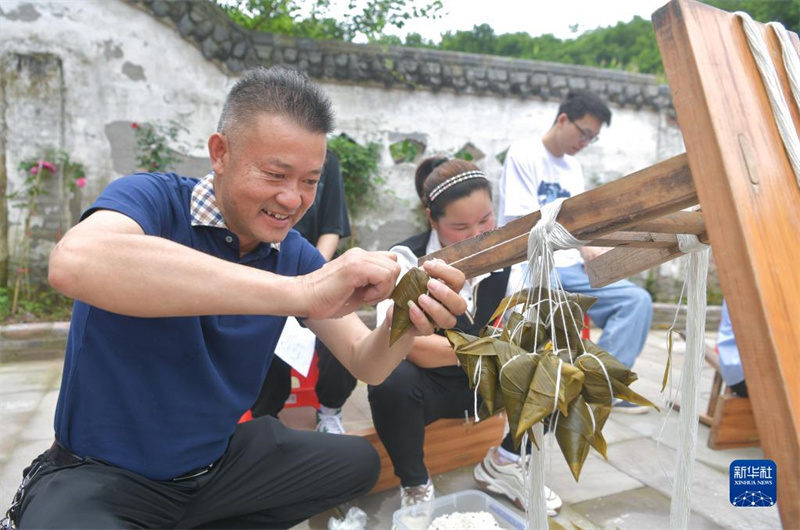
(730, 416)
(449, 444)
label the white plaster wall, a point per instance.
(97, 41)
(122, 64)
(636, 138)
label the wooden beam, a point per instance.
(674, 223)
(642, 196)
(620, 263)
(635, 239)
(751, 204)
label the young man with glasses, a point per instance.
(538, 171)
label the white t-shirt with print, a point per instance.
(533, 177)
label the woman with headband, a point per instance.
(429, 384)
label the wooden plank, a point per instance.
(635, 240)
(449, 444)
(621, 263)
(751, 205)
(734, 424)
(674, 223)
(642, 196)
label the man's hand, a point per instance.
(355, 278)
(443, 303)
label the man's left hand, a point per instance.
(443, 303)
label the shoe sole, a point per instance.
(486, 483)
(631, 411)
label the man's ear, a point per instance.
(218, 152)
(562, 118)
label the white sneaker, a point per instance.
(508, 480)
(416, 494)
(330, 423)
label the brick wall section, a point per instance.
(233, 49)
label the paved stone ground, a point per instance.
(630, 491)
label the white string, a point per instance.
(697, 271)
(791, 60)
(537, 509)
(605, 373)
(669, 400)
(780, 109)
(476, 380)
(545, 237)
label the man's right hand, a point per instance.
(343, 285)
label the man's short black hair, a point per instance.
(277, 90)
(579, 103)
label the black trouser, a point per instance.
(740, 389)
(334, 384)
(409, 399)
(269, 477)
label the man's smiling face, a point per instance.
(266, 177)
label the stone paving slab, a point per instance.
(629, 492)
(639, 509)
(598, 477)
(642, 459)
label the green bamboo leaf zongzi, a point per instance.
(542, 396)
(411, 286)
(515, 382)
(575, 434)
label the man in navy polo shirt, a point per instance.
(182, 288)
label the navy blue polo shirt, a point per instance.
(162, 396)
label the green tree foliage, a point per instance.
(366, 17)
(787, 12)
(627, 46)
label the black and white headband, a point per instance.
(452, 181)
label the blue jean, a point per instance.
(623, 310)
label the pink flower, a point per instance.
(49, 166)
(81, 182)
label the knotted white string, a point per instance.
(696, 274)
(545, 237)
(780, 109)
(791, 60)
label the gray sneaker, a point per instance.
(508, 480)
(330, 423)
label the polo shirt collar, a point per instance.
(204, 210)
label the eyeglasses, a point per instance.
(586, 135)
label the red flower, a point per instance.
(134, 125)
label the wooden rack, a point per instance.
(737, 170)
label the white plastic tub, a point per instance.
(419, 517)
